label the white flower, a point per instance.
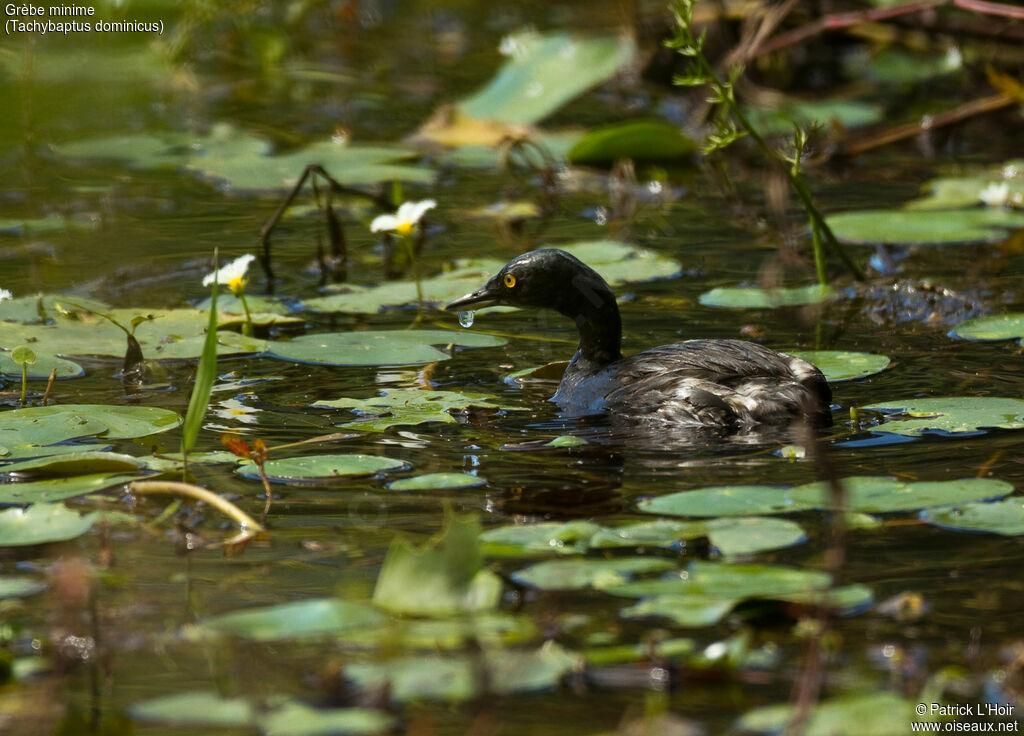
(995, 195)
(403, 221)
(4, 295)
(233, 274)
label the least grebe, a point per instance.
(723, 383)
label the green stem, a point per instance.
(819, 254)
(24, 382)
(247, 327)
(410, 250)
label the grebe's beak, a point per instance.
(486, 296)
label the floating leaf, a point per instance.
(805, 113)
(533, 83)
(407, 406)
(868, 494)
(319, 617)
(639, 140)
(881, 714)
(31, 309)
(59, 489)
(440, 481)
(321, 468)
(756, 298)
(196, 709)
(41, 368)
(742, 536)
(443, 577)
(691, 611)
(383, 347)
(999, 327)
(1004, 517)
(566, 440)
(478, 629)
(954, 415)
(20, 587)
(643, 652)
(728, 580)
(838, 365)
(42, 523)
(577, 574)
(912, 227)
(296, 719)
(74, 463)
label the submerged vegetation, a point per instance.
(437, 551)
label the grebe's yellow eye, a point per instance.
(510, 280)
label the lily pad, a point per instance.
(74, 463)
(533, 83)
(881, 714)
(319, 617)
(41, 369)
(439, 481)
(42, 523)
(868, 494)
(577, 574)
(407, 406)
(59, 489)
(756, 298)
(383, 347)
(639, 140)
(197, 709)
(805, 113)
(727, 580)
(443, 577)
(935, 227)
(20, 587)
(1004, 517)
(838, 365)
(730, 536)
(39, 307)
(321, 468)
(950, 415)
(296, 719)
(998, 327)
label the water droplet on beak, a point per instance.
(466, 318)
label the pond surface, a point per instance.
(142, 238)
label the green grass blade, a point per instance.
(205, 374)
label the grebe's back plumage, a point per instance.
(721, 383)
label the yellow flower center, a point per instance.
(236, 284)
(405, 228)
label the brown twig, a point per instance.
(931, 122)
(49, 386)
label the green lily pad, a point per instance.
(50, 424)
(838, 365)
(1004, 517)
(639, 140)
(998, 327)
(805, 113)
(477, 629)
(731, 536)
(458, 678)
(318, 617)
(141, 150)
(20, 587)
(643, 652)
(882, 495)
(407, 406)
(31, 309)
(74, 463)
(197, 709)
(533, 83)
(566, 440)
(577, 574)
(881, 714)
(756, 298)
(383, 347)
(41, 369)
(443, 577)
(952, 415)
(296, 719)
(440, 481)
(321, 468)
(42, 523)
(727, 580)
(868, 494)
(936, 227)
(952, 192)
(59, 489)
(690, 611)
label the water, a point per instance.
(156, 229)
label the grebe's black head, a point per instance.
(553, 279)
(547, 279)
